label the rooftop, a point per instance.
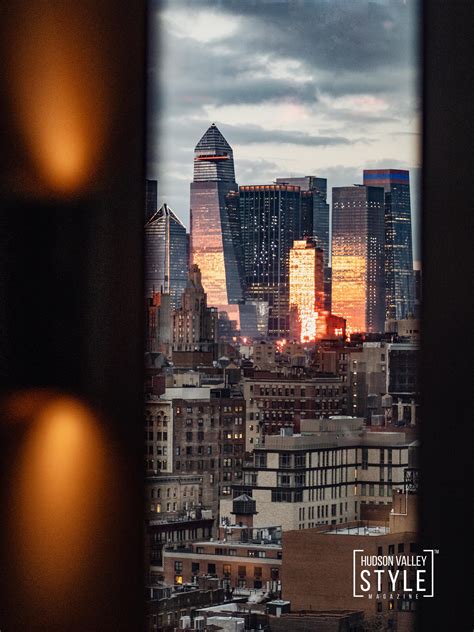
(359, 530)
(334, 439)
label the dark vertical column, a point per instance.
(447, 475)
(71, 321)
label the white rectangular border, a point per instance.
(354, 551)
(432, 571)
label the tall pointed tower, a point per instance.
(215, 227)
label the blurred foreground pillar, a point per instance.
(72, 98)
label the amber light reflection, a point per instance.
(306, 286)
(58, 487)
(349, 289)
(58, 92)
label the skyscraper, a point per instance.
(166, 255)
(399, 278)
(215, 230)
(151, 198)
(358, 282)
(315, 221)
(270, 221)
(306, 286)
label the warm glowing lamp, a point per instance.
(70, 211)
(59, 96)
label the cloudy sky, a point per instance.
(298, 87)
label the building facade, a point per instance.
(325, 475)
(158, 329)
(315, 221)
(270, 222)
(399, 278)
(306, 288)
(166, 255)
(194, 323)
(358, 281)
(248, 564)
(328, 583)
(215, 240)
(151, 198)
(276, 401)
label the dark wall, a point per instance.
(71, 316)
(447, 256)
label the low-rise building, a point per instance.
(332, 574)
(244, 557)
(179, 527)
(168, 608)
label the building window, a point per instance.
(178, 567)
(365, 458)
(226, 570)
(211, 569)
(242, 571)
(194, 568)
(260, 459)
(285, 460)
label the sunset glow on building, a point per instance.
(358, 282)
(306, 286)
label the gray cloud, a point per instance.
(357, 36)
(339, 48)
(255, 134)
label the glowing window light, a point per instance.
(306, 286)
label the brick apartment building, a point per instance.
(239, 564)
(166, 606)
(275, 401)
(182, 528)
(327, 582)
(189, 432)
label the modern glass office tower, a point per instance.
(215, 231)
(399, 278)
(166, 255)
(358, 280)
(270, 222)
(315, 221)
(306, 286)
(151, 198)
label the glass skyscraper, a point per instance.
(358, 280)
(270, 221)
(215, 231)
(315, 221)
(399, 277)
(166, 255)
(151, 198)
(306, 286)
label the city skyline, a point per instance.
(300, 110)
